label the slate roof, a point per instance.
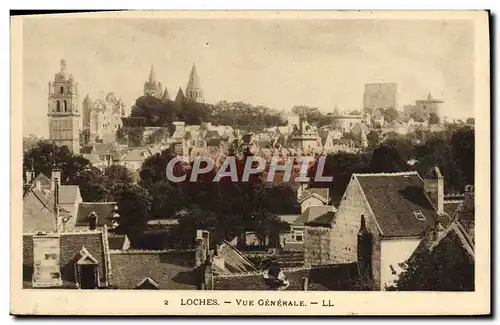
(137, 154)
(68, 194)
(340, 277)
(70, 245)
(118, 242)
(214, 142)
(93, 158)
(45, 182)
(322, 192)
(312, 213)
(171, 270)
(393, 198)
(325, 219)
(234, 261)
(288, 218)
(104, 211)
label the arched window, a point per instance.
(65, 106)
(58, 106)
(62, 90)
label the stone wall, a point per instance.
(317, 246)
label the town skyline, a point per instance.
(275, 70)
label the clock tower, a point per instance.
(64, 114)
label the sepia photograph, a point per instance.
(196, 159)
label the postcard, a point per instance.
(250, 163)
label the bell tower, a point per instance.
(63, 110)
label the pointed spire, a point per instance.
(180, 96)
(152, 75)
(429, 97)
(63, 65)
(194, 80)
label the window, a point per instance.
(65, 106)
(419, 215)
(50, 256)
(58, 105)
(62, 90)
(55, 275)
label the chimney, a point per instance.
(55, 190)
(364, 251)
(304, 283)
(55, 178)
(30, 176)
(92, 220)
(434, 188)
(46, 260)
(201, 250)
(207, 282)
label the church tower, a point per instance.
(152, 87)
(64, 115)
(193, 89)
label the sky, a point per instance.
(277, 63)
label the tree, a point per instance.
(390, 114)
(434, 119)
(45, 156)
(386, 159)
(134, 203)
(373, 138)
(118, 174)
(340, 166)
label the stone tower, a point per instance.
(193, 89)
(152, 87)
(64, 115)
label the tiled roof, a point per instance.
(68, 194)
(324, 278)
(70, 246)
(312, 213)
(170, 270)
(394, 198)
(104, 211)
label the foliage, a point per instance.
(373, 138)
(312, 115)
(390, 114)
(434, 119)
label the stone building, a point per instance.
(154, 88)
(102, 117)
(194, 91)
(63, 110)
(397, 210)
(429, 105)
(380, 95)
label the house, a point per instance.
(96, 161)
(134, 158)
(38, 203)
(308, 197)
(70, 260)
(397, 209)
(96, 259)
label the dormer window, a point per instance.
(419, 215)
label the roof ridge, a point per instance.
(387, 174)
(149, 251)
(112, 202)
(72, 232)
